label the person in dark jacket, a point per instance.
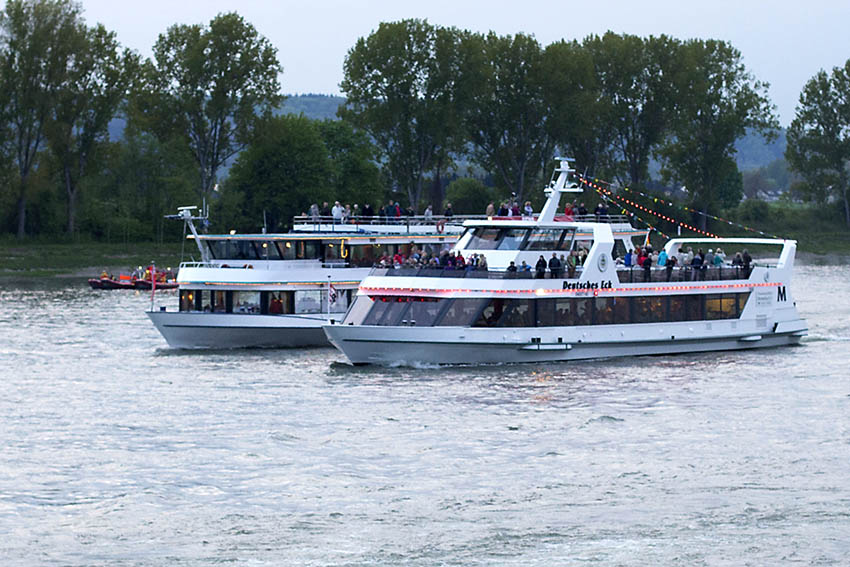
(647, 269)
(540, 268)
(555, 266)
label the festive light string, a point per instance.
(690, 210)
(614, 198)
(633, 215)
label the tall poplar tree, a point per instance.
(84, 104)
(400, 84)
(819, 136)
(716, 101)
(36, 49)
(208, 86)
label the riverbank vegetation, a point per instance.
(97, 144)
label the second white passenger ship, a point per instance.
(597, 310)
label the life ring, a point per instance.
(441, 226)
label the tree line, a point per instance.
(424, 104)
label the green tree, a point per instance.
(355, 177)
(282, 173)
(209, 86)
(633, 79)
(716, 100)
(35, 52)
(84, 104)
(506, 119)
(401, 87)
(819, 137)
(580, 121)
(469, 196)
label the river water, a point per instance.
(119, 451)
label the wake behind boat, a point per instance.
(571, 310)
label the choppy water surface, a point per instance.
(119, 451)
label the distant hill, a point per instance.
(313, 106)
(754, 152)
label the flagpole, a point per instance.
(153, 282)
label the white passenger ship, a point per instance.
(501, 316)
(277, 290)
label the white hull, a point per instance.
(233, 330)
(459, 345)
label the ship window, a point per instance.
(308, 301)
(547, 239)
(721, 306)
(603, 310)
(583, 309)
(380, 305)
(187, 300)
(511, 238)
(219, 304)
(484, 239)
(397, 307)
(461, 312)
(742, 301)
(268, 251)
(424, 311)
(300, 249)
(246, 301)
(693, 308)
(519, 314)
(491, 314)
(648, 309)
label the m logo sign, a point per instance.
(780, 294)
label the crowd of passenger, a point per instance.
(698, 263)
(391, 212)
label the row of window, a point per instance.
(263, 302)
(483, 312)
(358, 255)
(489, 238)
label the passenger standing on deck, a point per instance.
(555, 266)
(429, 213)
(747, 260)
(647, 268)
(337, 212)
(540, 268)
(448, 212)
(491, 210)
(572, 260)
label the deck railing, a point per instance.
(624, 275)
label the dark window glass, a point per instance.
(518, 313)
(621, 310)
(693, 307)
(677, 308)
(377, 312)
(395, 312)
(603, 312)
(511, 238)
(491, 314)
(546, 239)
(269, 251)
(583, 309)
(545, 312)
(564, 312)
(648, 309)
(219, 302)
(461, 312)
(423, 311)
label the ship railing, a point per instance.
(441, 272)
(624, 274)
(635, 274)
(354, 222)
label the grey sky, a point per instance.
(783, 42)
